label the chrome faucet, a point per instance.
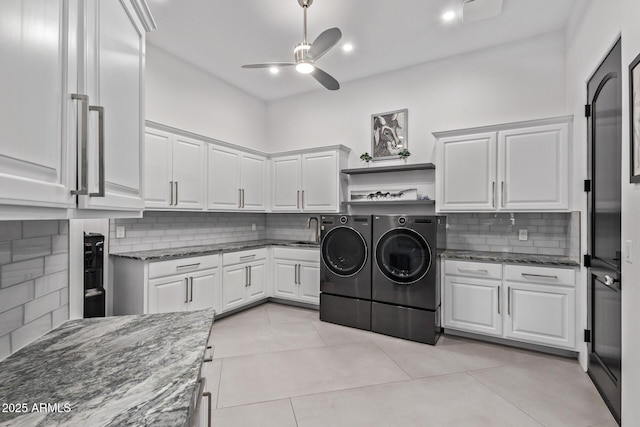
(317, 238)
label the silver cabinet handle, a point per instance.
(509, 300)
(207, 394)
(84, 137)
(298, 200)
(191, 289)
(243, 197)
(472, 270)
(101, 182)
(541, 276)
(250, 276)
(170, 193)
(493, 194)
(302, 200)
(176, 201)
(295, 274)
(502, 194)
(208, 359)
(247, 256)
(186, 290)
(194, 265)
(239, 197)
(499, 289)
(246, 276)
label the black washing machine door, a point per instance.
(344, 251)
(403, 256)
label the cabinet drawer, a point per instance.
(297, 254)
(244, 256)
(541, 275)
(183, 265)
(473, 269)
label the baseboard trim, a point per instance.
(266, 300)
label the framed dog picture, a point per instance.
(634, 111)
(388, 134)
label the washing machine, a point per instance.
(345, 270)
(406, 276)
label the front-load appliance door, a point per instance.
(345, 255)
(404, 269)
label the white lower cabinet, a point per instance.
(243, 278)
(296, 274)
(532, 304)
(184, 292)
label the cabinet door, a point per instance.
(168, 294)
(320, 182)
(36, 163)
(466, 173)
(309, 286)
(204, 285)
(285, 188)
(188, 173)
(257, 281)
(540, 314)
(533, 168)
(472, 305)
(284, 279)
(158, 177)
(254, 178)
(224, 178)
(234, 282)
(115, 81)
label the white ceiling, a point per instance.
(221, 35)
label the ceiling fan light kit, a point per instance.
(305, 54)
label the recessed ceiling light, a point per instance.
(347, 47)
(274, 70)
(448, 15)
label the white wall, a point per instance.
(186, 97)
(512, 82)
(588, 41)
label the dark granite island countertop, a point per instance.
(138, 370)
(171, 253)
(511, 258)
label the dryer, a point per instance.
(406, 276)
(345, 270)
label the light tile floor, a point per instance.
(276, 365)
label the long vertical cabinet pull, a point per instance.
(502, 194)
(84, 136)
(186, 290)
(191, 289)
(246, 276)
(243, 198)
(101, 180)
(499, 289)
(170, 193)
(298, 200)
(239, 197)
(176, 200)
(249, 275)
(493, 194)
(302, 202)
(508, 300)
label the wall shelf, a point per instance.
(391, 202)
(396, 168)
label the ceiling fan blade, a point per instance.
(325, 41)
(269, 65)
(325, 79)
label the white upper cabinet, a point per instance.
(237, 180)
(36, 166)
(514, 167)
(72, 106)
(174, 171)
(309, 181)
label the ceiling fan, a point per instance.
(306, 54)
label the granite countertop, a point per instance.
(162, 254)
(512, 258)
(138, 370)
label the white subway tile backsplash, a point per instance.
(31, 248)
(59, 316)
(51, 283)
(60, 244)
(11, 320)
(10, 230)
(16, 295)
(30, 332)
(5, 253)
(5, 346)
(22, 271)
(40, 306)
(64, 296)
(40, 228)
(56, 263)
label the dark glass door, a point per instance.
(344, 251)
(403, 256)
(604, 218)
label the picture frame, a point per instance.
(634, 119)
(389, 134)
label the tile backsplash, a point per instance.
(163, 230)
(547, 233)
(34, 281)
(291, 226)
